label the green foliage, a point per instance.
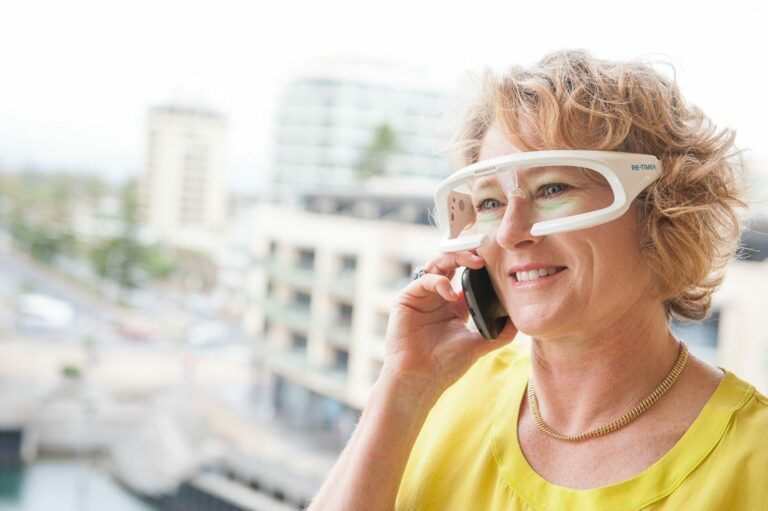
(157, 262)
(117, 259)
(123, 259)
(382, 146)
(71, 372)
(39, 242)
(38, 210)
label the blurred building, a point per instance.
(343, 120)
(320, 284)
(183, 191)
(233, 262)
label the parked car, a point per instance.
(41, 312)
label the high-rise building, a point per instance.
(183, 191)
(345, 120)
(319, 291)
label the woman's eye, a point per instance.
(487, 204)
(552, 189)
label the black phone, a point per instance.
(484, 305)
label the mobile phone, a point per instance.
(484, 305)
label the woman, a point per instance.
(606, 409)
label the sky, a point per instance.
(77, 77)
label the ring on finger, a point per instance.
(418, 273)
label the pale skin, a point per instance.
(600, 345)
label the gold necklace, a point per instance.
(625, 419)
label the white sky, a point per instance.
(77, 77)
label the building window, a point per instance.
(299, 343)
(306, 259)
(302, 299)
(340, 360)
(348, 263)
(344, 313)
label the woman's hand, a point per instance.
(427, 337)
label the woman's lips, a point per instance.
(537, 281)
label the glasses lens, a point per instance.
(531, 195)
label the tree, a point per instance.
(123, 258)
(378, 152)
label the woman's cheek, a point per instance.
(490, 252)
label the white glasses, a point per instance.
(555, 191)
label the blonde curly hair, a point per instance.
(692, 216)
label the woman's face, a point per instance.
(603, 278)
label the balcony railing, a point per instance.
(326, 380)
(294, 316)
(341, 285)
(293, 274)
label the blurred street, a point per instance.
(124, 379)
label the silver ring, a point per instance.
(418, 273)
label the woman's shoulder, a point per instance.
(748, 410)
(745, 397)
(755, 403)
(733, 437)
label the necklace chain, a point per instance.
(625, 419)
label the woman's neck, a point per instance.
(587, 380)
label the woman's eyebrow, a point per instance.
(485, 183)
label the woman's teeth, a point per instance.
(523, 276)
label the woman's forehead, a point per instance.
(495, 143)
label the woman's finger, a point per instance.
(429, 285)
(445, 264)
(459, 307)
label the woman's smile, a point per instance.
(531, 279)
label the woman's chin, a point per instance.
(537, 322)
(532, 330)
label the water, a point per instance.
(64, 485)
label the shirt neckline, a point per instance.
(653, 483)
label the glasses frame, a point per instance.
(628, 174)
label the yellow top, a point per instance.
(467, 456)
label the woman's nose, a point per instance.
(514, 231)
